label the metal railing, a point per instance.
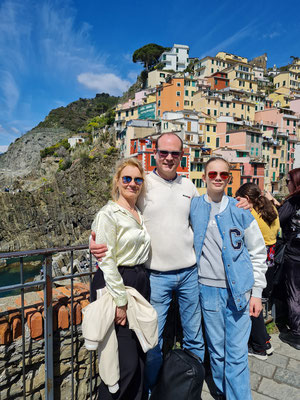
(46, 282)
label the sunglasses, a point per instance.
(213, 174)
(165, 153)
(128, 179)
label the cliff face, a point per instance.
(61, 211)
(23, 156)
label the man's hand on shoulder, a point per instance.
(98, 250)
(243, 203)
(255, 306)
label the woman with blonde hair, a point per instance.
(119, 224)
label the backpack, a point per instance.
(181, 377)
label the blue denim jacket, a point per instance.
(243, 253)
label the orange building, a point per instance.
(143, 149)
(170, 96)
(218, 80)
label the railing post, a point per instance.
(48, 329)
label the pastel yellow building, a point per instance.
(226, 102)
(157, 77)
(287, 79)
(197, 161)
(241, 76)
(231, 57)
(280, 99)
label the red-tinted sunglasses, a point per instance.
(213, 174)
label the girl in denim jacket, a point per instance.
(231, 259)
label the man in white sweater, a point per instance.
(172, 260)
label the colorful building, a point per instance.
(143, 149)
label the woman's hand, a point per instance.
(120, 318)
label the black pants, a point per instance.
(131, 356)
(259, 335)
(292, 282)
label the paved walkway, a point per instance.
(276, 378)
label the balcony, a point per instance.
(293, 138)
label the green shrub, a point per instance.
(51, 150)
(64, 164)
(111, 150)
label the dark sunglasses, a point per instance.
(128, 179)
(213, 174)
(165, 153)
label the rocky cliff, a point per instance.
(23, 156)
(59, 212)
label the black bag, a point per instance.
(181, 377)
(279, 250)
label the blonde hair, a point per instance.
(125, 162)
(217, 158)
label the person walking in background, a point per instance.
(289, 215)
(231, 257)
(120, 225)
(267, 218)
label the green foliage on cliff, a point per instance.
(75, 115)
(100, 121)
(64, 164)
(50, 151)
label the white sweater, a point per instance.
(98, 330)
(166, 209)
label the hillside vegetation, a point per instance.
(76, 114)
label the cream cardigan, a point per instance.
(99, 332)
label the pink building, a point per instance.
(247, 142)
(284, 124)
(295, 106)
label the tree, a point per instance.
(148, 55)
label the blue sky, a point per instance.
(54, 52)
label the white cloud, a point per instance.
(108, 82)
(236, 37)
(3, 149)
(271, 35)
(16, 130)
(10, 91)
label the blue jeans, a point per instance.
(227, 332)
(184, 283)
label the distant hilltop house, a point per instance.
(177, 59)
(75, 140)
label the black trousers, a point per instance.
(292, 282)
(259, 335)
(131, 356)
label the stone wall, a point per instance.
(11, 363)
